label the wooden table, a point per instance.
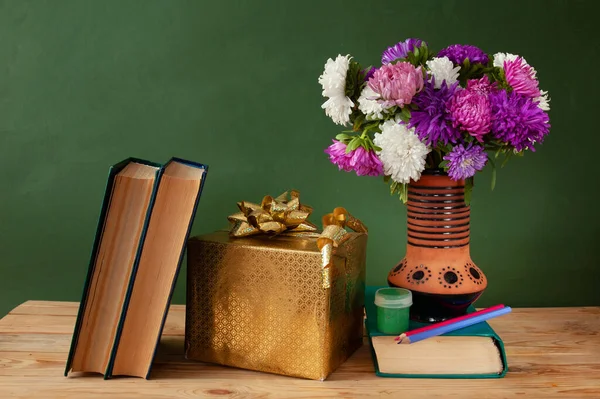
(552, 352)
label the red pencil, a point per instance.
(449, 321)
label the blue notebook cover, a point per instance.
(112, 173)
(182, 252)
(480, 329)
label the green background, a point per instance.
(233, 84)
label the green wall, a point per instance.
(233, 84)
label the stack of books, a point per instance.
(476, 351)
(145, 221)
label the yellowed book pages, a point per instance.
(123, 225)
(438, 355)
(165, 238)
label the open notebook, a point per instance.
(472, 352)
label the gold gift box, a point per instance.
(259, 303)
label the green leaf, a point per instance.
(343, 137)
(371, 126)
(443, 164)
(493, 172)
(376, 148)
(353, 80)
(386, 178)
(353, 145)
(393, 187)
(358, 122)
(404, 193)
(405, 114)
(468, 189)
(506, 158)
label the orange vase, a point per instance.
(437, 267)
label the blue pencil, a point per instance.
(409, 338)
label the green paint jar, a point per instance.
(393, 307)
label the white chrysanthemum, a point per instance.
(543, 101)
(333, 80)
(402, 153)
(499, 59)
(443, 69)
(368, 104)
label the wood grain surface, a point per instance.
(552, 352)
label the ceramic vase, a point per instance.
(438, 268)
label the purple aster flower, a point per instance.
(518, 120)
(464, 162)
(363, 162)
(399, 51)
(433, 121)
(471, 110)
(458, 53)
(369, 73)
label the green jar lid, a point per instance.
(393, 297)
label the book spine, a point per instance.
(189, 229)
(136, 262)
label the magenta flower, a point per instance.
(464, 162)
(363, 162)
(471, 110)
(482, 86)
(338, 156)
(521, 77)
(397, 83)
(366, 163)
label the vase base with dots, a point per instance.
(438, 268)
(433, 308)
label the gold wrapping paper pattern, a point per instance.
(285, 214)
(258, 303)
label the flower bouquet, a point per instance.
(454, 111)
(428, 122)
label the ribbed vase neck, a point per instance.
(437, 216)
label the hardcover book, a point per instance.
(472, 352)
(145, 220)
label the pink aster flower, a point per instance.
(363, 162)
(471, 110)
(482, 86)
(521, 77)
(397, 83)
(366, 163)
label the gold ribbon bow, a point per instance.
(285, 215)
(273, 216)
(334, 234)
